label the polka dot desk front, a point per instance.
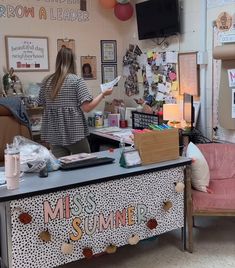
(53, 229)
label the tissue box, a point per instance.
(113, 120)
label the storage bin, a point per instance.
(157, 146)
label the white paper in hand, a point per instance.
(110, 84)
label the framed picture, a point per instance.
(188, 73)
(88, 67)
(69, 43)
(108, 51)
(131, 158)
(27, 53)
(109, 72)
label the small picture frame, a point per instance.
(109, 72)
(88, 67)
(131, 158)
(69, 43)
(108, 51)
(113, 120)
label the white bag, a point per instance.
(34, 156)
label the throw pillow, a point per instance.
(199, 167)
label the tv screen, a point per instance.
(157, 18)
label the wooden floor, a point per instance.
(214, 247)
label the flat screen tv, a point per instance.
(157, 18)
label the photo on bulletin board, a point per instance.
(69, 43)
(109, 72)
(88, 67)
(25, 53)
(108, 51)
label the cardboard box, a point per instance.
(157, 146)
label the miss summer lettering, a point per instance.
(86, 220)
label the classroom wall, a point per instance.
(187, 41)
(102, 25)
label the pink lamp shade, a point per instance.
(171, 112)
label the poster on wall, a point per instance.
(27, 53)
(108, 51)
(188, 73)
(68, 11)
(231, 77)
(233, 103)
(109, 72)
(88, 67)
(69, 43)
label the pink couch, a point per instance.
(220, 200)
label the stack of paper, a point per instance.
(110, 84)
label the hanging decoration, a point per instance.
(108, 4)
(123, 11)
(179, 187)
(25, 218)
(45, 236)
(167, 205)
(152, 224)
(134, 239)
(87, 252)
(67, 248)
(111, 249)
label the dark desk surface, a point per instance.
(102, 141)
(32, 185)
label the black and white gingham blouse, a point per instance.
(63, 121)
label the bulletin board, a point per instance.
(188, 73)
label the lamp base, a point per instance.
(175, 124)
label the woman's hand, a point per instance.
(89, 106)
(107, 92)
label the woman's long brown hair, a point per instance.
(65, 64)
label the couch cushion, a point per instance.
(199, 167)
(222, 196)
(220, 158)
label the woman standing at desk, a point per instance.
(65, 98)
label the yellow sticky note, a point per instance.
(155, 78)
(174, 86)
(150, 54)
(154, 55)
